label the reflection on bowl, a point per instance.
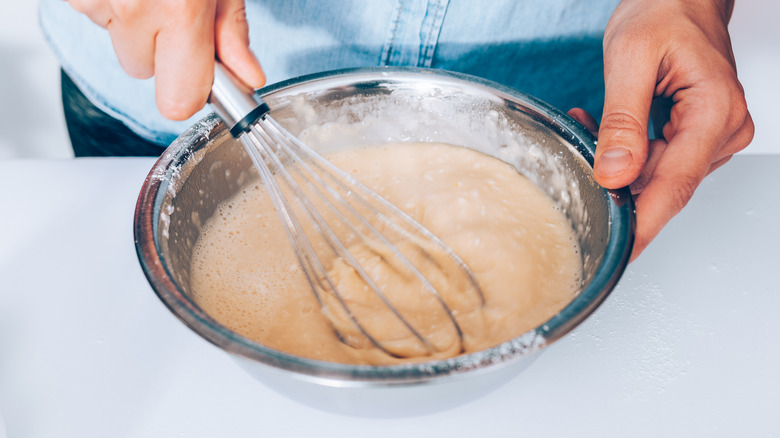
(205, 166)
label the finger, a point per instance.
(731, 127)
(738, 141)
(585, 119)
(741, 138)
(658, 146)
(232, 43)
(131, 35)
(679, 171)
(184, 63)
(134, 44)
(629, 78)
(655, 152)
(714, 166)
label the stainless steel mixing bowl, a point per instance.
(205, 166)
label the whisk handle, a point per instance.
(234, 102)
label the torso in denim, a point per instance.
(548, 48)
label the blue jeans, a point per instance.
(93, 133)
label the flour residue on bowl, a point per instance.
(516, 241)
(428, 113)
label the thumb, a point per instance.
(232, 43)
(621, 152)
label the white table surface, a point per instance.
(688, 344)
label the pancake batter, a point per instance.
(521, 249)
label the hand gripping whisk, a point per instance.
(382, 279)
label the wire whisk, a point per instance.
(381, 278)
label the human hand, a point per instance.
(176, 42)
(679, 50)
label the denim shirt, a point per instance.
(551, 49)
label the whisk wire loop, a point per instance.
(268, 162)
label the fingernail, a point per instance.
(614, 161)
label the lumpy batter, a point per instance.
(521, 249)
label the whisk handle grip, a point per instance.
(234, 102)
